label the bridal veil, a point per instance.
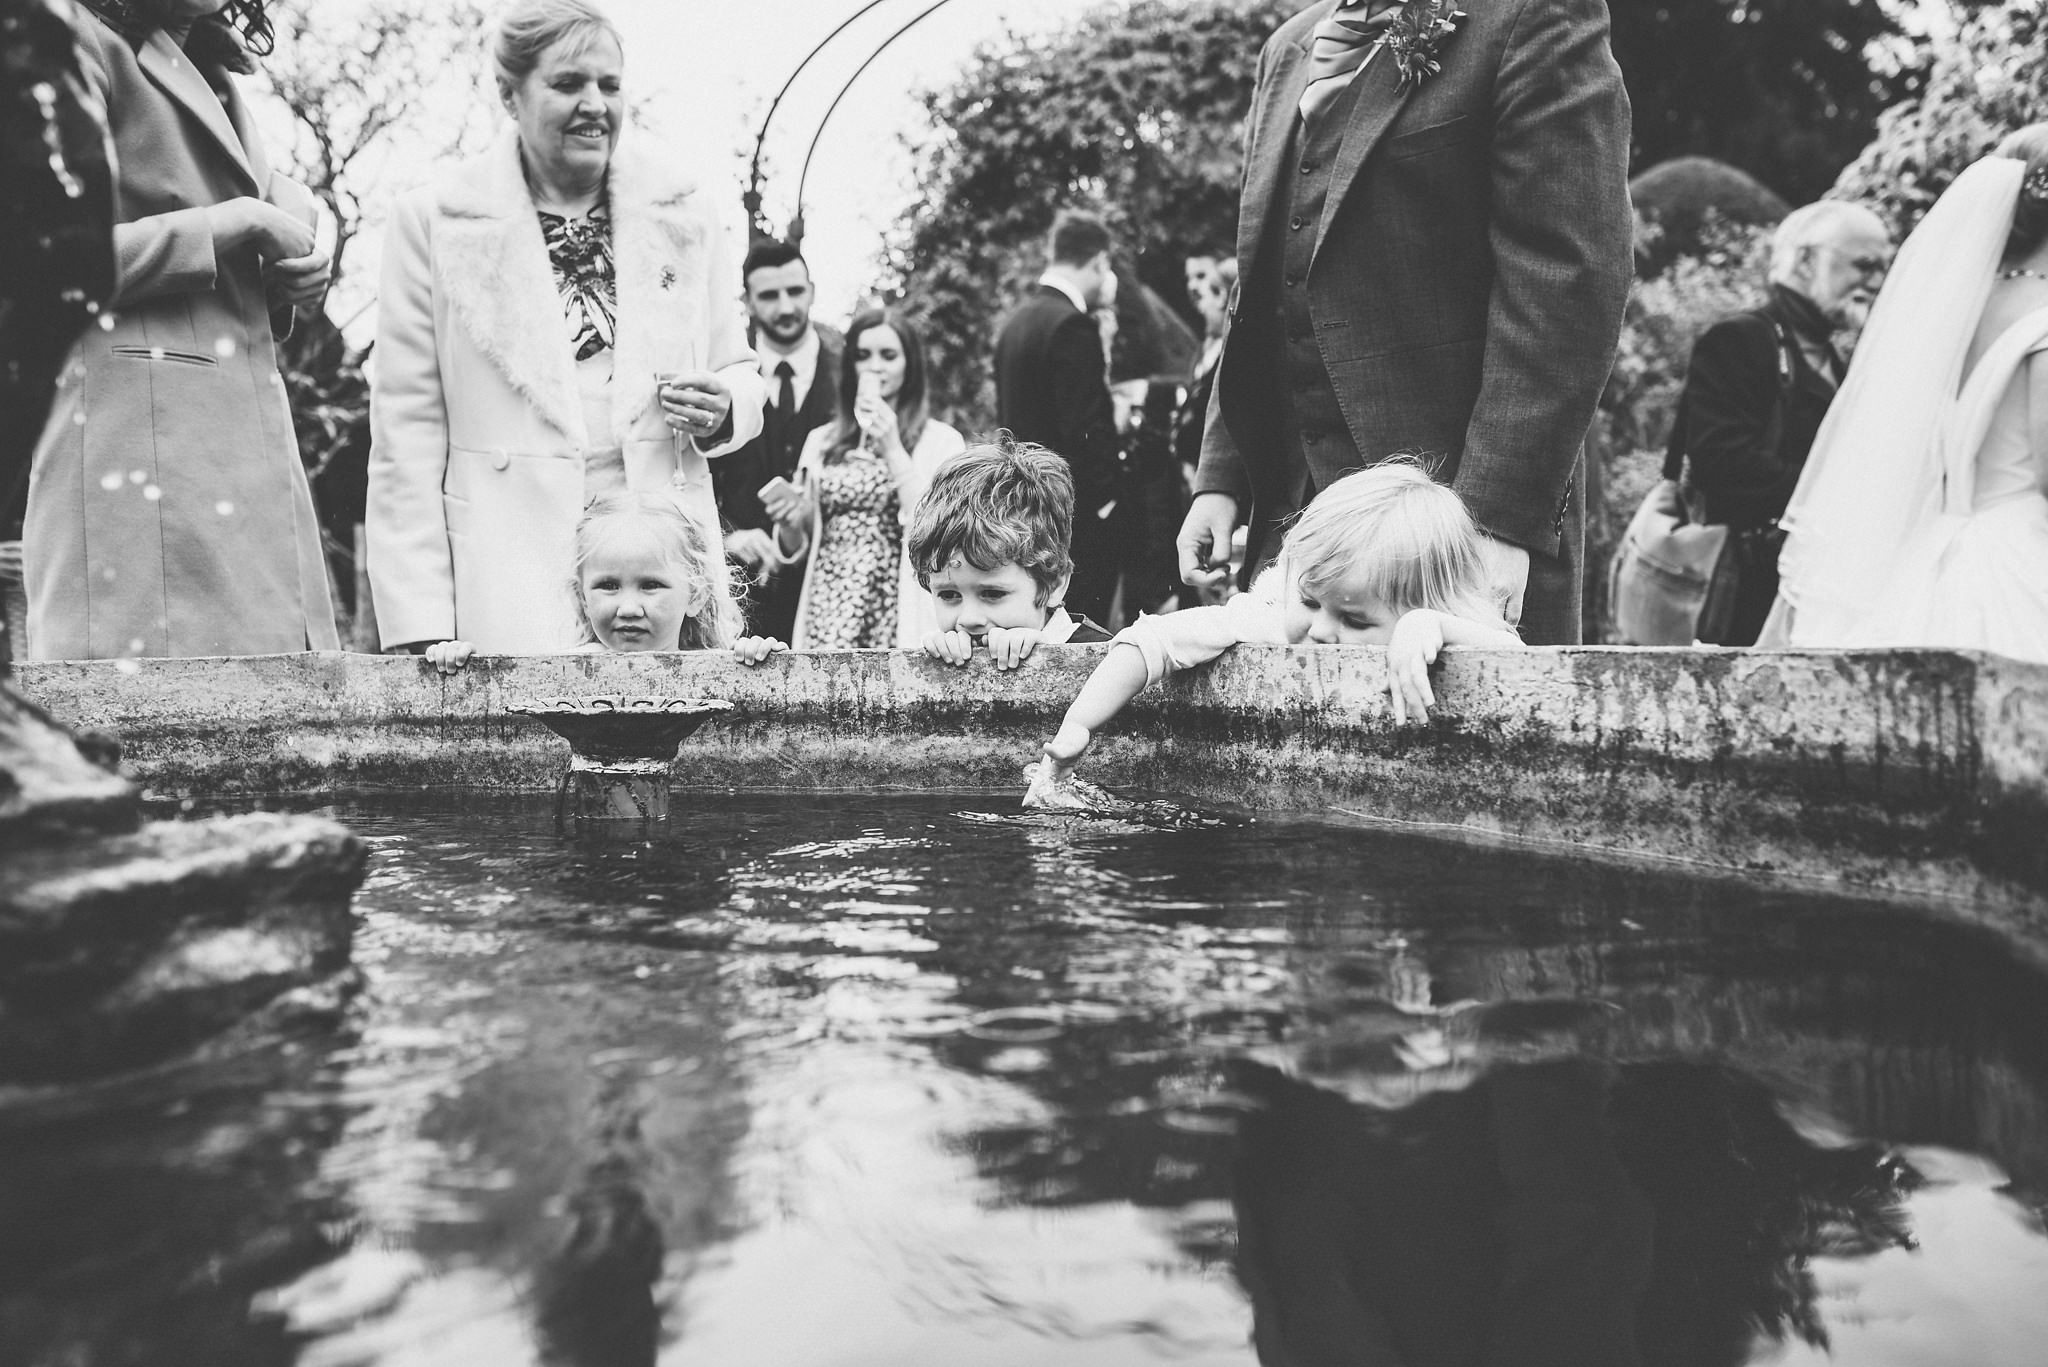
(1874, 475)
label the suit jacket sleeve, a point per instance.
(1083, 410)
(412, 573)
(1731, 392)
(1222, 467)
(1561, 235)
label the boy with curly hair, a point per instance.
(990, 541)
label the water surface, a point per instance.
(852, 1079)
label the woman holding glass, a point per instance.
(558, 320)
(858, 482)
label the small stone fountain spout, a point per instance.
(622, 749)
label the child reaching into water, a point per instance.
(990, 541)
(1384, 557)
(646, 578)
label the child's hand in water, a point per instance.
(1011, 646)
(949, 647)
(1417, 640)
(754, 650)
(449, 656)
(1064, 750)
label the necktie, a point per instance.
(785, 399)
(1342, 43)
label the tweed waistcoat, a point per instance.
(1311, 422)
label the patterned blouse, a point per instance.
(581, 251)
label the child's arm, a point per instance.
(1418, 638)
(1121, 676)
(449, 656)
(754, 650)
(1150, 649)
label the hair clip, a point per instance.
(2035, 186)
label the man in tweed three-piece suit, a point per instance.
(1429, 259)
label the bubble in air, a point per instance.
(111, 481)
(151, 492)
(137, 645)
(224, 348)
(128, 666)
(106, 322)
(156, 353)
(110, 574)
(138, 476)
(224, 508)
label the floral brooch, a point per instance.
(1418, 34)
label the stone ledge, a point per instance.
(1921, 773)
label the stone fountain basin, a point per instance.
(1918, 774)
(619, 727)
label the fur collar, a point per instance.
(492, 264)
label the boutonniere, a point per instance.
(668, 277)
(1418, 34)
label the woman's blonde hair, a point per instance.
(715, 620)
(1410, 538)
(530, 27)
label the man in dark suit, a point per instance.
(1052, 388)
(800, 365)
(1433, 259)
(1760, 383)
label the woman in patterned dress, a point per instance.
(861, 478)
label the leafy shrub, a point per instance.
(1987, 79)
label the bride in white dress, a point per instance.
(1921, 518)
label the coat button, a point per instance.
(500, 461)
(1297, 223)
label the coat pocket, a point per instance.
(157, 353)
(1434, 138)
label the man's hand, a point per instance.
(1011, 646)
(753, 548)
(1417, 640)
(789, 504)
(949, 647)
(1507, 575)
(1204, 540)
(753, 650)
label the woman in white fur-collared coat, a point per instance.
(530, 298)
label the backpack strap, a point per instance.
(1674, 454)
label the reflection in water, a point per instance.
(1558, 1212)
(866, 1079)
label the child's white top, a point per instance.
(1194, 636)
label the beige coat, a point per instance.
(168, 513)
(477, 424)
